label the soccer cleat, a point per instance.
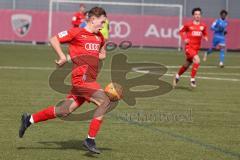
(193, 84)
(221, 65)
(175, 81)
(205, 56)
(91, 145)
(25, 123)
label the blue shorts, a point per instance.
(219, 41)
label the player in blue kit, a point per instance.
(219, 29)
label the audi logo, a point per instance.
(119, 29)
(92, 46)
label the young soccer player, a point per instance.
(219, 28)
(192, 33)
(86, 48)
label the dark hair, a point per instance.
(223, 12)
(97, 11)
(196, 9)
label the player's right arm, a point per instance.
(58, 50)
(183, 33)
(62, 37)
(215, 26)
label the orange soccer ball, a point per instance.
(114, 91)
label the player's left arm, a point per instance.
(102, 51)
(225, 29)
(205, 33)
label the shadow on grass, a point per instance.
(65, 145)
(184, 88)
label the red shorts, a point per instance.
(83, 92)
(190, 53)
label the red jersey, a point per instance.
(77, 19)
(193, 32)
(84, 48)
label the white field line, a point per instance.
(210, 67)
(135, 70)
(26, 68)
(209, 78)
(145, 71)
(51, 68)
(210, 73)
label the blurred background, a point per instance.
(184, 124)
(146, 23)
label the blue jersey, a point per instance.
(219, 27)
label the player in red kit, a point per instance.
(86, 48)
(192, 34)
(79, 16)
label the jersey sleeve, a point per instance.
(182, 31)
(67, 36)
(214, 25)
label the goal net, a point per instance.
(143, 24)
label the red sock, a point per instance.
(94, 127)
(45, 114)
(194, 70)
(182, 70)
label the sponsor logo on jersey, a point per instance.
(196, 33)
(62, 34)
(92, 46)
(21, 24)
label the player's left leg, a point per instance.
(222, 57)
(222, 47)
(103, 104)
(195, 66)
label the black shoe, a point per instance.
(91, 145)
(25, 123)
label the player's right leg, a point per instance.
(62, 109)
(182, 69)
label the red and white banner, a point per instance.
(155, 31)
